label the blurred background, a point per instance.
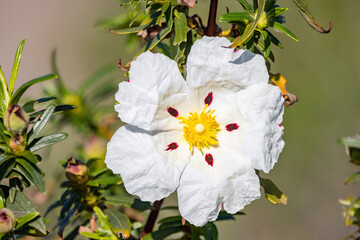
(322, 70)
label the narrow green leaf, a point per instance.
(213, 230)
(267, 43)
(283, 29)
(58, 109)
(206, 233)
(29, 156)
(269, 5)
(12, 191)
(227, 216)
(195, 233)
(352, 142)
(274, 40)
(105, 181)
(276, 12)
(249, 30)
(170, 219)
(29, 106)
(120, 223)
(4, 95)
(246, 6)
(38, 224)
(136, 16)
(6, 168)
(302, 6)
(272, 192)
(163, 233)
(21, 221)
(236, 17)
(47, 140)
(21, 204)
(96, 235)
(15, 68)
(20, 91)
(32, 173)
(53, 206)
(40, 124)
(180, 28)
(103, 219)
(132, 29)
(2, 199)
(353, 178)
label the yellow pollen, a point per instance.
(200, 130)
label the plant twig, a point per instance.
(152, 217)
(210, 30)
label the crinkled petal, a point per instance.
(140, 157)
(261, 107)
(209, 61)
(155, 84)
(204, 188)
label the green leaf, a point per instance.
(353, 178)
(303, 8)
(2, 199)
(40, 124)
(58, 109)
(162, 34)
(180, 28)
(267, 43)
(273, 193)
(352, 142)
(15, 68)
(32, 173)
(274, 40)
(6, 168)
(236, 17)
(29, 106)
(276, 12)
(21, 221)
(269, 5)
(53, 206)
(213, 230)
(47, 140)
(96, 235)
(105, 180)
(29, 156)
(103, 219)
(4, 95)
(133, 29)
(120, 223)
(206, 233)
(246, 6)
(163, 233)
(12, 191)
(20, 91)
(283, 29)
(21, 204)
(249, 30)
(136, 16)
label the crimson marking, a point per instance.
(232, 126)
(280, 125)
(173, 112)
(209, 159)
(209, 98)
(172, 146)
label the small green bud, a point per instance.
(7, 220)
(76, 171)
(15, 119)
(263, 22)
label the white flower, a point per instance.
(204, 137)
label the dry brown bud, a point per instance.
(290, 99)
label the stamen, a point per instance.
(173, 112)
(172, 146)
(209, 159)
(232, 126)
(209, 98)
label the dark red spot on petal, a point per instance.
(232, 126)
(235, 50)
(172, 146)
(280, 125)
(209, 98)
(209, 159)
(173, 112)
(128, 80)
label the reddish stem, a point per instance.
(210, 31)
(152, 217)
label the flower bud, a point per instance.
(17, 143)
(187, 3)
(7, 220)
(76, 171)
(15, 119)
(263, 22)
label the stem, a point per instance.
(210, 31)
(152, 217)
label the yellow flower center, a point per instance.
(200, 130)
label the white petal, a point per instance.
(199, 193)
(155, 84)
(203, 188)
(209, 61)
(261, 108)
(148, 171)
